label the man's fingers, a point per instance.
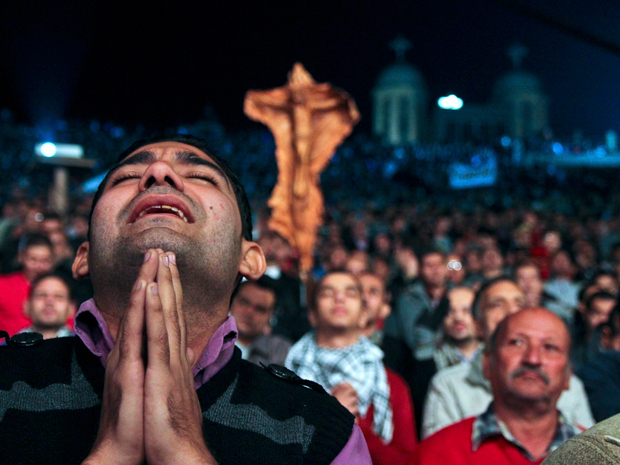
(157, 336)
(148, 270)
(168, 302)
(130, 330)
(178, 293)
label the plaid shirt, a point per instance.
(488, 425)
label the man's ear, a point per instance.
(253, 263)
(486, 365)
(384, 311)
(569, 374)
(80, 264)
(312, 318)
(363, 320)
(72, 310)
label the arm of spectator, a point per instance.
(440, 409)
(403, 443)
(574, 405)
(347, 396)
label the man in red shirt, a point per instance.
(36, 259)
(527, 365)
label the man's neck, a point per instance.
(534, 427)
(47, 333)
(336, 338)
(200, 323)
(467, 347)
(533, 299)
(246, 340)
(491, 274)
(435, 292)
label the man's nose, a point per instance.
(532, 355)
(161, 173)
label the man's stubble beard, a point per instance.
(204, 270)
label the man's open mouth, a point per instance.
(163, 209)
(154, 206)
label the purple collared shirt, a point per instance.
(92, 329)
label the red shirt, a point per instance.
(14, 290)
(453, 445)
(400, 449)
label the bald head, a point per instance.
(527, 360)
(531, 317)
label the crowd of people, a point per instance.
(454, 325)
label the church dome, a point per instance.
(517, 82)
(398, 74)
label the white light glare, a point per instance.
(450, 102)
(48, 149)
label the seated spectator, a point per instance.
(459, 342)
(527, 364)
(36, 259)
(598, 307)
(291, 319)
(337, 356)
(601, 376)
(377, 309)
(462, 391)
(252, 307)
(416, 319)
(357, 262)
(49, 306)
(492, 263)
(562, 286)
(606, 281)
(456, 269)
(529, 278)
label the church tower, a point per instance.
(520, 94)
(400, 100)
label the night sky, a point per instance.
(161, 65)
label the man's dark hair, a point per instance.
(604, 295)
(51, 215)
(264, 282)
(425, 252)
(242, 199)
(487, 284)
(52, 274)
(317, 286)
(34, 240)
(525, 264)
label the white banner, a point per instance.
(481, 172)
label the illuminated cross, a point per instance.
(516, 53)
(400, 45)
